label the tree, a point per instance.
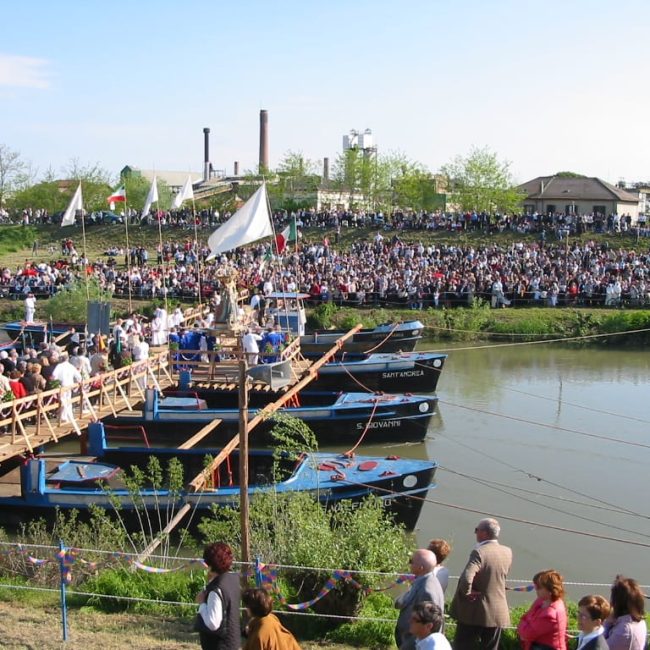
(482, 183)
(96, 183)
(12, 172)
(295, 174)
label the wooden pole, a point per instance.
(243, 463)
(128, 252)
(198, 254)
(85, 253)
(310, 374)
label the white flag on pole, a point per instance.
(185, 194)
(75, 204)
(251, 222)
(152, 197)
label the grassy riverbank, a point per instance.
(444, 324)
(507, 325)
(28, 626)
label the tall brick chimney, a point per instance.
(206, 154)
(264, 141)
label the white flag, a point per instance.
(75, 204)
(152, 197)
(251, 222)
(185, 194)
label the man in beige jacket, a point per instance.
(479, 604)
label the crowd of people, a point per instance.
(479, 606)
(380, 270)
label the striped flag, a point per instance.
(290, 233)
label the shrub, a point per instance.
(175, 587)
(70, 305)
(321, 317)
(293, 529)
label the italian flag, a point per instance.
(118, 195)
(290, 233)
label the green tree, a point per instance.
(96, 184)
(45, 194)
(137, 188)
(295, 174)
(355, 172)
(12, 172)
(481, 182)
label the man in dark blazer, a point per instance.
(425, 587)
(479, 604)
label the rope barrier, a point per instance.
(560, 340)
(549, 426)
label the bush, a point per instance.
(321, 317)
(175, 587)
(70, 305)
(369, 634)
(293, 529)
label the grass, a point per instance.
(460, 324)
(30, 626)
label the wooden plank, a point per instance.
(199, 435)
(199, 481)
(164, 533)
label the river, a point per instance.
(524, 417)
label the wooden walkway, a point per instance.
(49, 416)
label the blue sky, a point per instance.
(547, 85)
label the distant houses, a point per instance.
(561, 194)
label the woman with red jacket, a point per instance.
(544, 625)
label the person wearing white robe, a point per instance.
(68, 376)
(140, 352)
(30, 308)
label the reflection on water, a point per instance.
(552, 435)
(548, 435)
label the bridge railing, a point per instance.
(59, 411)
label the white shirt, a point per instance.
(66, 373)
(212, 611)
(583, 639)
(435, 641)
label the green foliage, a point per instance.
(70, 305)
(293, 529)
(623, 321)
(321, 317)
(569, 175)
(175, 586)
(13, 172)
(291, 437)
(137, 188)
(14, 238)
(481, 182)
(369, 634)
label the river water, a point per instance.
(552, 435)
(549, 434)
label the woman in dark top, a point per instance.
(217, 621)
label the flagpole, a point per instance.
(198, 255)
(83, 234)
(128, 250)
(163, 267)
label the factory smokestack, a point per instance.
(326, 170)
(264, 141)
(236, 168)
(206, 154)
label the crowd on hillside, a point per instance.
(559, 224)
(381, 270)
